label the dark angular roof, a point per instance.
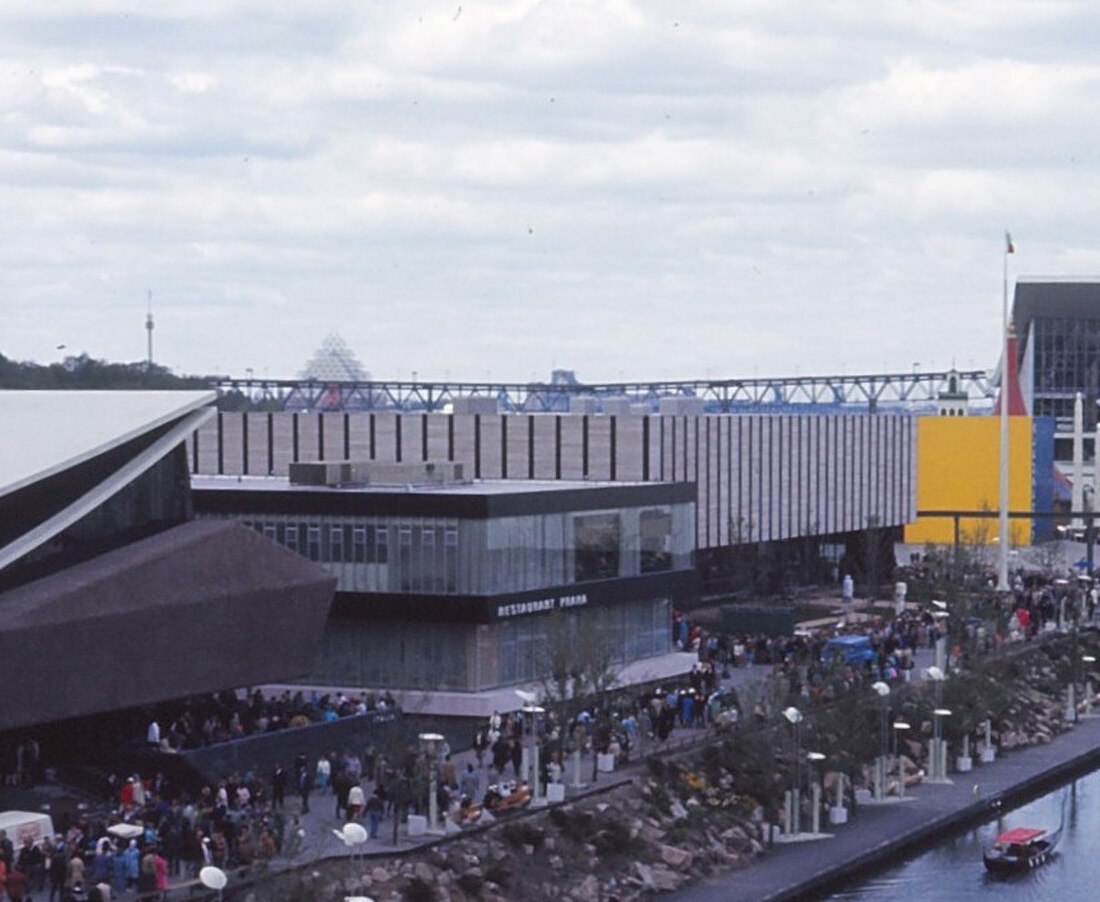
(201, 607)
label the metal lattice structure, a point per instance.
(869, 392)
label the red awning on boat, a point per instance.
(1019, 836)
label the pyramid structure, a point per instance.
(334, 361)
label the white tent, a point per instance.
(23, 825)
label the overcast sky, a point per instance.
(636, 190)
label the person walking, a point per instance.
(305, 785)
(278, 786)
(57, 868)
(356, 801)
(375, 806)
(340, 786)
(324, 771)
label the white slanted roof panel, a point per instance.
(46, 432)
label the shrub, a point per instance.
(419, 891)
(499, 874)
(613, 838)
(574, 824)
(522, 833)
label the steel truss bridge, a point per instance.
(870, 393)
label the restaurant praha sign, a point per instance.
(541, 605)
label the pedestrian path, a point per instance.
(886, 833)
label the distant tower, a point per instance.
(950, 401)
(149, 333)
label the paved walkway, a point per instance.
(318, 824)
(483, 704)
(881, 834)
(320, 841)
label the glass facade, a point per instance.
(641, 629)
(475, 657)
(1066, 354)
(495, 558)
(487, 557)
(396, 656)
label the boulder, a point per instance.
(734, 834)
(676, 858)
(588, 890)
(666, 881)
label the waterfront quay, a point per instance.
(882, 835)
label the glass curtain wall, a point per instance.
(440, 656)
(1067, 361)
(488, 557)
(640, 629)
(395, 656)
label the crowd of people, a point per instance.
(69, 869)
(245, 819)
(225, 716)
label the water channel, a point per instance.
(953, 869)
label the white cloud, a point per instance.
(193, 82)
(626, 188)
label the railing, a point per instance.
(835, 392)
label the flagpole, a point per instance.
(1002, 520)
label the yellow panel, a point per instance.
(957, 469)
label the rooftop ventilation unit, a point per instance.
(371, 472)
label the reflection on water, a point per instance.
(954, 870)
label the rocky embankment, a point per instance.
(683, 820)
(630, 843)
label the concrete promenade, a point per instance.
(882, 835)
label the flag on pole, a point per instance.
(1010, 248)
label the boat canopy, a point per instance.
(1019, 836)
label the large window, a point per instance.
(655, 540)
(394, 655)
(336, 544)
(596, 543)
(630, 632)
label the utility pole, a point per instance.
(1002, 551)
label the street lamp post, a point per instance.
(1071, 696)
(937, 754)
(532, 713)
(939, 762)
(794, 821)
(939, 617)
(430, 743)
(883, 691)
(900, 726)
(1088, 660)
(815, 790)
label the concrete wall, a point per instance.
(760, 477)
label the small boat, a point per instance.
(1021, 849)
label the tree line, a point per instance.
(83, 372)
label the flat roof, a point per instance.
(45, 432)
(476, 500)
(477, 487)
